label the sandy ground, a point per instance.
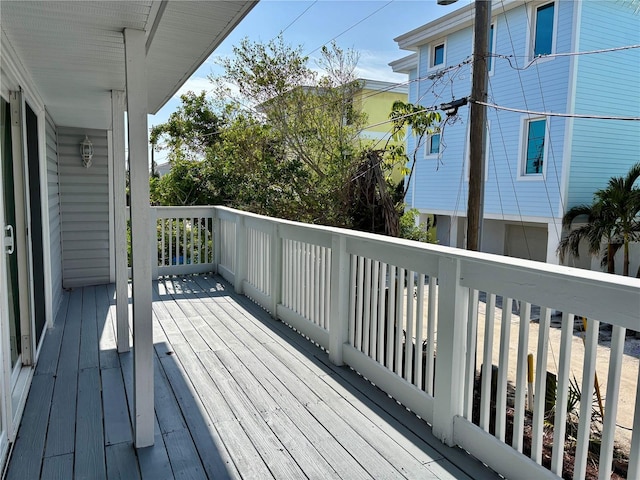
(630, 363)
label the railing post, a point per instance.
(241, 255)
(216, 239)
(276, 269)
(153, 220)
(453, 302)
(339, 291)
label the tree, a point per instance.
(288, 146)
(422, 122)
(596, 226)
(613, 217)
(310, 112)
(190, 130)
(621, 198)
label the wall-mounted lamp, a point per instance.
(86, 150)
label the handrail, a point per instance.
(390, 307)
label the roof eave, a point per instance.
(454, 21)
(405, 64)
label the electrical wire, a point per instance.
(556, 55)
(298, 17)
(352, 27)
(556, 114)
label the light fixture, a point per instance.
(86, 150)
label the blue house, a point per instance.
(547, 58)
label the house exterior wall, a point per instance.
(441, 181)
(53, 187)
(608, 84)
(580, 154)
(84, 206)
(377, 106)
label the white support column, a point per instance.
(554, 234)
(452, 330)
(120, 220)
(453, 231)
(136, 73)
(338, 321)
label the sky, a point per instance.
(366, 26)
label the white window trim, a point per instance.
(427, 147)
(531, 13)
(522, 150)
(432, 47)
(492, 47)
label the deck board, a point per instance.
(237, 395)
(61, 433)
(90, 445)
(57, 468)
(28, 452)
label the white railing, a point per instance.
(390, 308)
(184, 239)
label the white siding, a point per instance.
(53, 183)
(84, 196)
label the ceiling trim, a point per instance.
(157, 12)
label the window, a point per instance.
(543, 37)
(437, 55)
(534, 153)
(433, 145)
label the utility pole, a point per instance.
(478, 124)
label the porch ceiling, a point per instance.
(73, 51)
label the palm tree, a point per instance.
(598, 225)
(622, 198)
(613, 218)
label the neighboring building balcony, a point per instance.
(239, 394)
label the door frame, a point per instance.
(12, 402)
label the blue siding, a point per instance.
(442, 186)
(608, 84)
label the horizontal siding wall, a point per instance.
(53, 184)
(84, 194)
(607, 84)
(441, 183)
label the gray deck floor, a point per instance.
(237, 395)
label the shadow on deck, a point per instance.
(237, 395)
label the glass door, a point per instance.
(11, 257)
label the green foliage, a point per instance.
(183, 242)
(294, 153)
(422, 122)
(190, 130)
(612, 218)
(411, 230)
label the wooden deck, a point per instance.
(237, 395)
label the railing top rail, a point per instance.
(467, 256)
(183, 211)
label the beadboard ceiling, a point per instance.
(73, 51)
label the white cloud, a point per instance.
(374, 65)
(196, 85)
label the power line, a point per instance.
(352, 26)
(556, 114)
(298, 17)
(563, 54)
